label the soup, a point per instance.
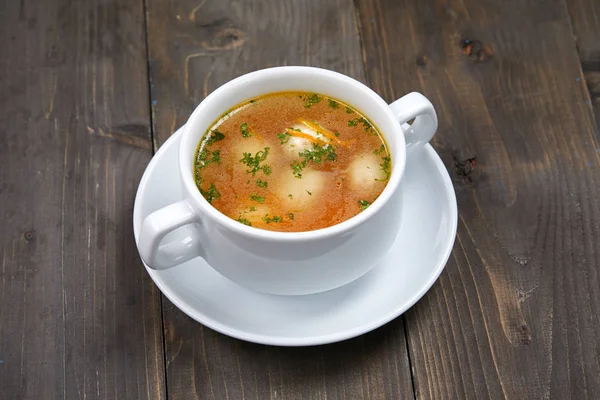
(292, 162)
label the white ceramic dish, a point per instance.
(416, 259)
(291, 263)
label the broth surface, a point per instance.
(292, 162)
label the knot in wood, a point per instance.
(29, 235)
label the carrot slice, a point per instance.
(304, 136)
(320, 130)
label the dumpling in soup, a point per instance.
(251, 145)
(299, 194)
(366, 172)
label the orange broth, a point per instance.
(292, 162)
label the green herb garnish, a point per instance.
(202, 160)
(297, 168)
(252, 208)
(317, 154)
(283, 137)
(336, 133)
(291, 216)
(311, 100)
(255, 197)
(332, 103)
(363, 204)
(349, 110)
(380, 150)
(254, 162)
(214, 136)
(244, 221)
(216, 157)
(366, 124)
(386, 166)
(274, 218)
(261, 183)
(245, 129)
(211, 194)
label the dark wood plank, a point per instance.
(195, 46)
(516, 312)
(585, 18)
(203, 364)
(79, 316)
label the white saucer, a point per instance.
(417, 258)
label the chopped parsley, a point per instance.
(202, 160)
(363, 204)
(291, 216)
(283, 137)
(244, 221)
(261, 183)
(255, 197)
(290, 196)
(274, 218)
(317, 155)
(366, 124)
(379, 150)
(362, 120)
(311, 100)
(214, 136)
(216, 157)
(245, 129)
(349, 110)
(386, 166)
(252, 101)
(254, 163)
(332, 103)
(211, 194)
(252, 208)
(336, 133)
(297, 169)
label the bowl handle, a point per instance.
(157, 225)
(415, 105)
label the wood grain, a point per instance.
(79, 317)
(203, 364)
(194, 47)
(585, 18)
(515, 313)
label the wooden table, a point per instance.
(90, 89)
